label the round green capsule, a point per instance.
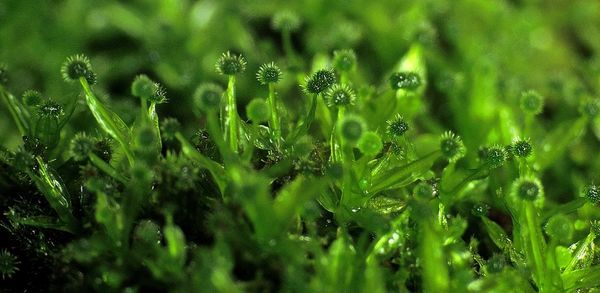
(560, 228)
(32, 98)
(207, 96)
(258, 111)
(286, 21)
(532, 103)
(370, 143)
(169, 127)
(351, 128)
(424, 190)
(143, 87)
(527, 188)
(590, 107)
(81, 147)
(344, 60)
(23, 160)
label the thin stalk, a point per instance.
(580, 252)
(335, 156)
(305, 123)
(15, 111)
(144, 110)
(232, 115)
(287, 45)
(535, 240)
(345, 156)
(105, 119)
(274, 123)
(212, 125)
(107, 168)
(566, 208)
(216, 170)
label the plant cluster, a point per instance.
(304, 171)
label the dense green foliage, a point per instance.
(320, 146)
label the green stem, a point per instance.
(212, 125)
(566, 208)
(107, 168)
(144, 110)
(287, 45)
(55, 193)
(474, 174)
(536, 242)
(19, 116)
(216, 170)
(275, 123)
(580, 252)
(399, 174)
(105, 119)
(232, 115)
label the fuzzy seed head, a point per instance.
(258, 111)
(480, 209)
(595, 227)
(145, 136)
(340, 96)
(268, 73)
(159, 96)
(81, 146)
(424, 190)
(231, 64)
(286, 21)
(495, 157)
(590, 107)
(23, 160)
(496, 263)
(168, 128)
(147, 232)
(3, 74)
(344, 60)
(397, 126)
(532, 103)
(8, 264)
(320, 81)
(405, 80)
(522, 148)
(208, 96)
(592, 193)
(78, 66)
(143, 87)
(451, 146)
(31, 98)
(370, 144)
(527, 188)
(50, 109)
(351, 128)
(559, 227)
